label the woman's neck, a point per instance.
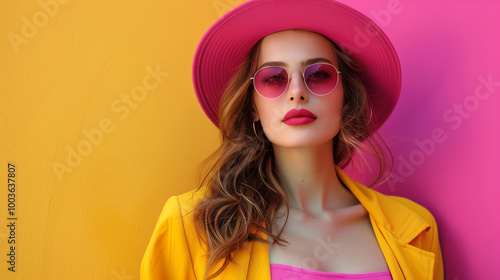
(309, 180)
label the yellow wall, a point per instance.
(98, 142)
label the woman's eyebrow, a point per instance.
(316, 60)
(306, 62)
(273, 63)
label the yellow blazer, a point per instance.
(406, 232)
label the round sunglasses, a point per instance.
(272, 81)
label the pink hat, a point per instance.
(227, 42)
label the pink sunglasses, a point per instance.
(272, 81)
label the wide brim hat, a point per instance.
(227, 42)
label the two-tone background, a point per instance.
(101, 124)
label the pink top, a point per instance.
(285, 272)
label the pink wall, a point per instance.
(445, 131)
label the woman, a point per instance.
(294, 87)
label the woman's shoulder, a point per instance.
(174, 245)
(177, 221)
(413, 206)
(407, 219)
(182, 205)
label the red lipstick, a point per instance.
(298, 117)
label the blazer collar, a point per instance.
(389, 213)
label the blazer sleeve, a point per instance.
(435, 247)
(428, 240)
(167, 254)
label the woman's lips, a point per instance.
(298, 117)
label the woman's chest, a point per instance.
(343, 243)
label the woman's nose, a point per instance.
(297, 90)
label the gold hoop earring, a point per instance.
(371, 115)
(255, 132)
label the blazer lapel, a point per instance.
(250, 263)
(395, 226)
(259, 267)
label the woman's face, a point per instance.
(296, 49)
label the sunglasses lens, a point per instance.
(271, 82)
(321, 78)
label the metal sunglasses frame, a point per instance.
(289, 78)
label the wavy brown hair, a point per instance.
(243, 192)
